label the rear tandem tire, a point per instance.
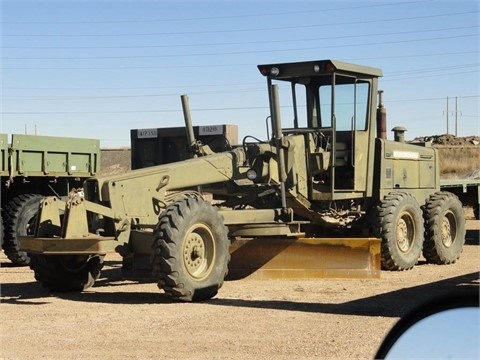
(399, 224)
(1, 229)
(444, 228)
(64, 273)
(20, 216)
(191, 255)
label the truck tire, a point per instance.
(399, 224)
(1, 229)
(444, 228)
(64, 273)
(191, 253)
(20, 216)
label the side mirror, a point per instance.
(444, 328)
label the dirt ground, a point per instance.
(124, 318)
(248, 319)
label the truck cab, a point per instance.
(335, 105)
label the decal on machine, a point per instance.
(405, 154)
(210, 130)
(147, 133)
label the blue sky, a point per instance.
(100, 68)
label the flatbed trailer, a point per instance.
(467, 190)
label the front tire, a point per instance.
(65, 273)
(399, 224)
(20, 217)
(191, 252)
(444, 228)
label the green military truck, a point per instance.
(32, 167)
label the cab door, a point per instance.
(346, 105)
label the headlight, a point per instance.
(251, 174)
(274, 71)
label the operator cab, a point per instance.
(335, 103)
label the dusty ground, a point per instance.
(121, 318)
(248, 319)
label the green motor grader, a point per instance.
(329, 181)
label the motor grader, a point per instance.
(330, 180)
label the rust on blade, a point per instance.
(305, 258)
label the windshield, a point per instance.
(316, 103)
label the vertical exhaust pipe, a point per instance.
(399, 133)
(278, 137)
(381, 117)
(192, 142)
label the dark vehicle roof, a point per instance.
(316, 68)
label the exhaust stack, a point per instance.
(193, 146)
(381, 117)
(399, 133)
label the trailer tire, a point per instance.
(191, 254)
(66, 273)
(399, 224)
(1, 229)
(20, 216)
(444, 228)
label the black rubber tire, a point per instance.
(65, 273)
(1, 229)
(399, 224)
(20, 216)
(444, 228)
(191, 250)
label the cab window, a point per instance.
(351, 104)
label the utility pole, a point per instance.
(455, 112)
(446, 112)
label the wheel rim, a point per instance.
(405, 232)
(32, 216)
(449, 229)
(199, 251)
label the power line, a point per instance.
(393, 56)
(132, 88)
(126, 67)
(220, 54)
(71, 97)
(349, 23)
(323, 10)
(269, 41)
(429, 76)
(126, 111)
(433, 99)
(193, 110)
(83, 97)
(403, 56)
(432, 69)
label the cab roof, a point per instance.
(316, 68)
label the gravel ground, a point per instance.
(248, 319)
